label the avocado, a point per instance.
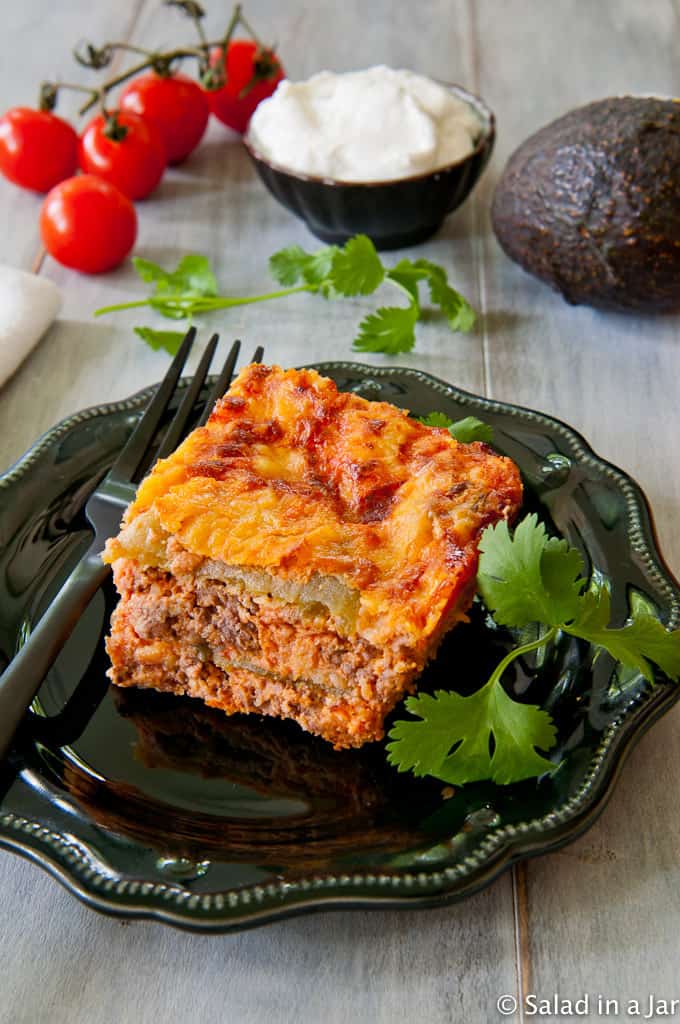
(590, 204)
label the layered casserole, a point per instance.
(302, 555)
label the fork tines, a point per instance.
(136, 454)
(222, 382)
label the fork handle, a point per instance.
(23, 677)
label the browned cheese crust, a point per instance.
(302, 555)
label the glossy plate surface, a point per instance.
(148, 805)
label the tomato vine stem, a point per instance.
(163, 63)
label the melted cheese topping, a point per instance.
(295, 478)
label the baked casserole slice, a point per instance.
(302, 555)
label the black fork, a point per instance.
(22, 678)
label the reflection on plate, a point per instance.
(150, 805)
(244, 788)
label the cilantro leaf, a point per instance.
(193, 275)
(351, 270)
(471, 429)
(487, 735)
(288, 266)
(459, 313)
(457, 310)
(390, 329)
(170, 341)
(176, 290)
(357, 269)
(148, 271)
(530, 577)
(466, 430)
(436, 419)
(642, 640)
(536, 578)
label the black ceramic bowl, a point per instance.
(394, 213)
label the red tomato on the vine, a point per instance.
(88, 224)
(37, 148)
(125, 150)
(235, 102)
(175, 105)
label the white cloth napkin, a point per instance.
(28, 305)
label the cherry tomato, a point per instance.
(234, 104)
(37, 148)
(125, 150)
(88, 224)
(175, 105)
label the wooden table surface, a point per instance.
(601, 915)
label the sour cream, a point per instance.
(372, 125)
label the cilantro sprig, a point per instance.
(333, 272)
(466, 430)
(525, 578)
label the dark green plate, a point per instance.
(144, 805)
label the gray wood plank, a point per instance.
(341, 967)
(442, 965)
(603, 913)
(38, 38)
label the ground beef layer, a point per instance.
(245, 653)
(170, 666)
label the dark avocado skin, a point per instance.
(591, 205)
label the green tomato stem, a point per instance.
(231, 28)
(162, 63)
(154, 61)
(100, 93)
(249, 28)
(129, 48)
